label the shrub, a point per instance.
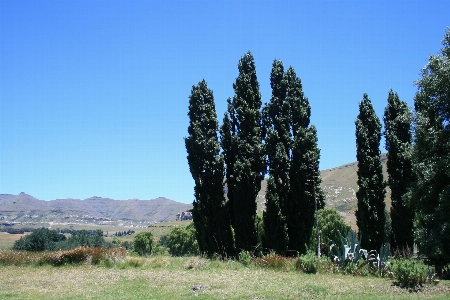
(245, 258)
(135, 262)
(273, 261)
(182, 241)
(308, 262)
(410, 273)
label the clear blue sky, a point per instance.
(94, 94)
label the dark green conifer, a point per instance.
(370, 215)
(207, 168)
(244, 153)
(276, 115)
(398, 143)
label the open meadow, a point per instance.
(165, 277)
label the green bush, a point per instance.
(308, 262)
(183, 241)
(409, 272)
(245, 258)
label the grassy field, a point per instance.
(164, 277)
(7, 240)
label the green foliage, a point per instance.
(330, 222)
(277, 119)
(243, 150)
(207, 168)
(245, 258)
(39, 240)
(182, 241)
(304, 170)
(430, 194)
(275, 227)
(398, 143)
(410, 273)
(370, 216)
(293, 161)
(143, 243)
(309, 262)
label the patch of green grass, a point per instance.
(164, 277)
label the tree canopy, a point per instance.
(430, 195)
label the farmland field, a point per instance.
(7, 240)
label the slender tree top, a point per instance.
(397, 119)
(368, 129)
(300, 108)
(246, 86)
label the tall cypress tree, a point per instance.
(304, 175)
(430, 194)
(293, 161)
(244, 152)
(398, 143)
(276, 115)
(207, 168)
(370, 215)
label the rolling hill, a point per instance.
(340, 186)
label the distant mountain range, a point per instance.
(339, 184)
(26, 208)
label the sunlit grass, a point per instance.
(164, 277)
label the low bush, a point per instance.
(135, 262)
(308, 263)
(410, 273)
(273, 261)
(245, 258)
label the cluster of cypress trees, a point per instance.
(278, 140)
(418, 165)
(253, 141)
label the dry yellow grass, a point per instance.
(7, 240)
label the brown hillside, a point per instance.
(340, 186)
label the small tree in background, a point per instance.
(370, 215)
(398, 140)
(209, 210)
(330, 222)
(182, 241)
(241, 139)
